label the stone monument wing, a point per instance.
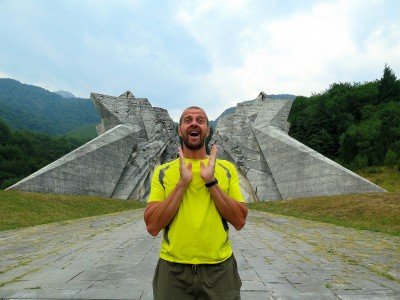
(134, 138)
(271, 164)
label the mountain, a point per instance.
(65, 94)
(28, 107)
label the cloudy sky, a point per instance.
(210, 53)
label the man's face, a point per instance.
(194, 128)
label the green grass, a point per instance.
(23, 209)
(387, 178)
(376, 211)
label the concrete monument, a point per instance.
(274, 166)
(135, 137)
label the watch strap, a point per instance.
(214, 182)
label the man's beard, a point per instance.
(194, 146)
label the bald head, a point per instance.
(192, 109)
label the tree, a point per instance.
(389, 86)
(361, 140)
(389, 114)
(353, 123)
(5, 133)
(24, 152)
(391, 158)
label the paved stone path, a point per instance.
(113, 257)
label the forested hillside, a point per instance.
(24, 152)
(355, 124)
(33, 108)
(37, 127)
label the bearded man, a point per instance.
(192, 200)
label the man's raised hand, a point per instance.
(207, 172)
(186, 172)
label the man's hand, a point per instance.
(185, 172)
(207, 172)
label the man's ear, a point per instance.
(208, 131)
(179, 131)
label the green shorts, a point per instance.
(173, 281)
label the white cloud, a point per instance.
(208, 53)
(299, 53)
(4, 75)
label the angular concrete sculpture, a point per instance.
(271, 164)
(135, 137)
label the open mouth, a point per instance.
(194, 133)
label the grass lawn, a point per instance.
(387, 178)
(376, 211)
(23, 209)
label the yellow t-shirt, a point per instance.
(197, 234)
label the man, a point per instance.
(192, 199)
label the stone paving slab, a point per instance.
(113, 257)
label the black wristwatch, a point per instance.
(209, 184)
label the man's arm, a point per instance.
(157, 215)
(233, 211)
